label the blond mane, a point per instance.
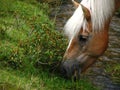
(100, 10)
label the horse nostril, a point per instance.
(63, 70)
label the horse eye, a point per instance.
(83, 38)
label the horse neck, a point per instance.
(117, 4)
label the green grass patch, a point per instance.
(27, 35)
(41, 81)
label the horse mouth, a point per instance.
(70, 69)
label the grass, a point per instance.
(42, 81)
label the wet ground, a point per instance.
(98, 75)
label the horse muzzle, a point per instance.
(70, 69)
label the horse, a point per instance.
(87, 32)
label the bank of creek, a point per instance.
(99, 73)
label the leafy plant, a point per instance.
(29, 36)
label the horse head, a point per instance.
(86, 42)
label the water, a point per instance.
(97, 73)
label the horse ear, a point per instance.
(76, 4)
(86, 12)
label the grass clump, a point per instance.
(27, 35)
(43, 81)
